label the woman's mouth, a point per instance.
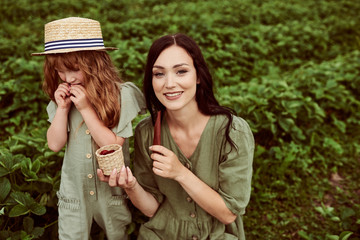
(173, 95)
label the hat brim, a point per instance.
(68, 50)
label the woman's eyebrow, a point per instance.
(175, 66)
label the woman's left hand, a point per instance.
(166, 164)
(78, 97)
(123, 179)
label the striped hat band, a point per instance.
(75, 43)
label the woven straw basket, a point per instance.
(108, 162)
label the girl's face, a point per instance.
(174, 79)
(72, 77)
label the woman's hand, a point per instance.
(141, 199)
(124, 179)
(166, 164)
(78, 97)
(62, 96)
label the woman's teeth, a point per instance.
(172, 94)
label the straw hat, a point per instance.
(73, 34)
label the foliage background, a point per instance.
(290, 68)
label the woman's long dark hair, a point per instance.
(205, 98)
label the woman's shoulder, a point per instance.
(238, 123)
(144, 125)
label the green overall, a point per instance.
(82, 197)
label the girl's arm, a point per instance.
(101, 134)
(166, 164)
(141, 199)
(57, 133)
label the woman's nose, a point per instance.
(170, 81)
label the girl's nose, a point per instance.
(69, 78)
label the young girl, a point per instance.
(197, 183)
(91, 107)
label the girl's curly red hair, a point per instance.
(101, 80)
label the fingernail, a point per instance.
(114, 171)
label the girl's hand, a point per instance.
(78, 97)
(124, 179)
(61, 95)
(166, 164)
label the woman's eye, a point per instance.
(157, 74)
(182, 72)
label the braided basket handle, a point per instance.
(157, 130)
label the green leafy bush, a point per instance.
(290, 68)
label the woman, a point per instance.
(197, 183)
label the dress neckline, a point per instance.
(166, 126)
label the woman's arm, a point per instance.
(141, 199)
(166, 164)
(205, 197)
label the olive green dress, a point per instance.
(227, 170)
(82, 197)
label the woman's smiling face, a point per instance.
(174, 78)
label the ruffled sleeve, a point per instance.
(142, 161)
(235, 167)
(51, 110)
(132, 104)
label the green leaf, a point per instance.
(38, 209)
(286, 123)
(345, 235)
(18, 210)
(37, 232)
(4, 172)
(332, 237)
(23, 199)
(9, 163)
(303, 234)
(347, 212)
(36, 166)
(2, 211)
(5, 188)
(28, 224)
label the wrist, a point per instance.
(132, 188)
(182, 174)
(63, 110)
